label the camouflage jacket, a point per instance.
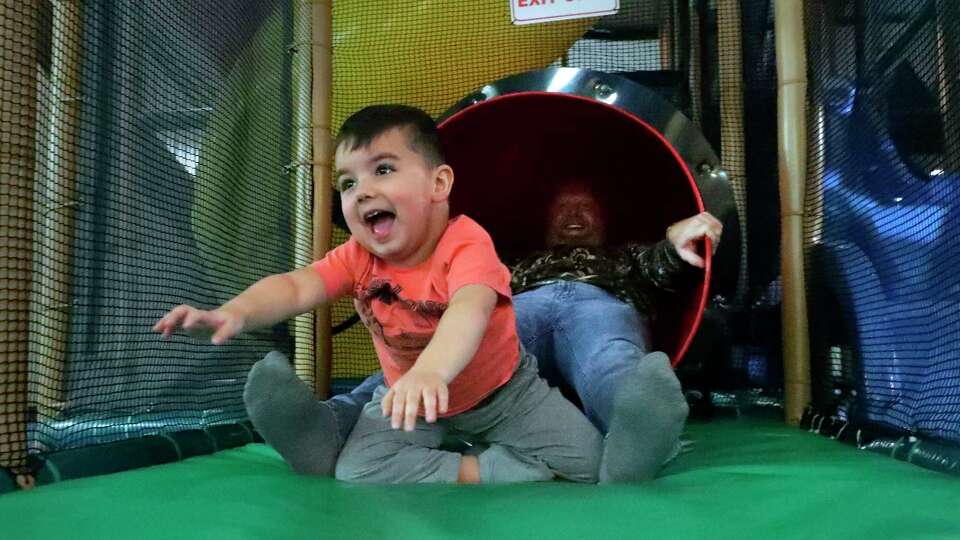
(634, 273)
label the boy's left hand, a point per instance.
(402, 402)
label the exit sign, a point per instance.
(538, 11)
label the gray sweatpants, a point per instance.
(532, 433)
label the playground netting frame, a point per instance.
(158, 154)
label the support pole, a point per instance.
(948, 88)
(301, 205)
(792, 144)
(816, 136)
(668, 36)
(695, 74)
(322, 56)
(19, 28)
(733, 153)
(55, 214)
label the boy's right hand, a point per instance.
(402, 401)
(223, 324)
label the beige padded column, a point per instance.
(322, 39)
(792, 145)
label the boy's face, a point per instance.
(576, 218)
(387, 193)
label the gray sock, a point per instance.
(283, 409)
(649, 411)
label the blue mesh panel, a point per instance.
(882, 265)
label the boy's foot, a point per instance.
(283, 409)
(649, 411)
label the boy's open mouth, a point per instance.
(380, 222)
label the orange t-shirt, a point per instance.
(402, 306)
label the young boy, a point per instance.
(437, 302)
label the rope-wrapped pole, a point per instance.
(19, 27)
(322, 56)
(792, 145)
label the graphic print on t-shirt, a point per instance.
(405, 346)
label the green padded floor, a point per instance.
(745, 479)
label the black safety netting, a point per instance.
(882, 208)
(157, 153)
(145, 154)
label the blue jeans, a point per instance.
(583, 337)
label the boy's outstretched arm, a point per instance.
(458, 335)
(271, 300)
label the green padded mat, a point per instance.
(745, 479)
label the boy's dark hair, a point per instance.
(368, 123)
